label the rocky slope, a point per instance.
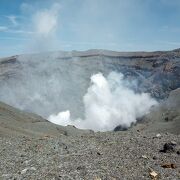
(14, 122)
(156, 72)
(165, 118)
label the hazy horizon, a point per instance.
(124, 25)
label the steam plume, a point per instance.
(108, 103)
(46, 21)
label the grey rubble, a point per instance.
(120, 155)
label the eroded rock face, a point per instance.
(63, 77)
(8, 67)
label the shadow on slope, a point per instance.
(14, 122)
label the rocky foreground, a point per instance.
(120, 155)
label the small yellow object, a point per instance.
(97, 178)
(145, 157)
(153, 174)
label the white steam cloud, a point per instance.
(45, 21)
(44, 25)
(108, 103)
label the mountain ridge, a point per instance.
(95, 52)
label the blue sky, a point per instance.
(124, 25)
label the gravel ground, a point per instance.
(109, 155)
